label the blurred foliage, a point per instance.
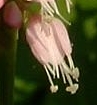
(31, 83)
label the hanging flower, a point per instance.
(50, 44)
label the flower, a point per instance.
(50, 44)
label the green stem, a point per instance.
(8, 46)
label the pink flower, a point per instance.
(50, 44)
(1, 3)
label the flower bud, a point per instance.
(12, 15)
(1, 3)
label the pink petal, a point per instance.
(62, 35)
(38, 49)
(1, 3)
(42, 42)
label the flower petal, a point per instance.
(62, 35)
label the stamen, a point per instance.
(53, 88)
(69, 78)
(57, 71)
(51, 70)
(63, 76)
(75, 74)
(71, 64)
(49, 77)
(72, 88)
(54, 6)
(47, 9)
(68, 3)
(66, 68)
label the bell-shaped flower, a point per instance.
(50, 44)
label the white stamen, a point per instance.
(72, 88)
(68, 3)
(54, 6)
(68, 6)
(49, 77)
(47, 10)
(71, 64)
(67, 72)
(57, 71)
(63, 76)
(75, 74)
(66, 68)
(48, 6)
(51, 70)
(69, 78)
(53, 88)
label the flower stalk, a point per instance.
(8, 46)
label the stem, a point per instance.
(8, 44)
